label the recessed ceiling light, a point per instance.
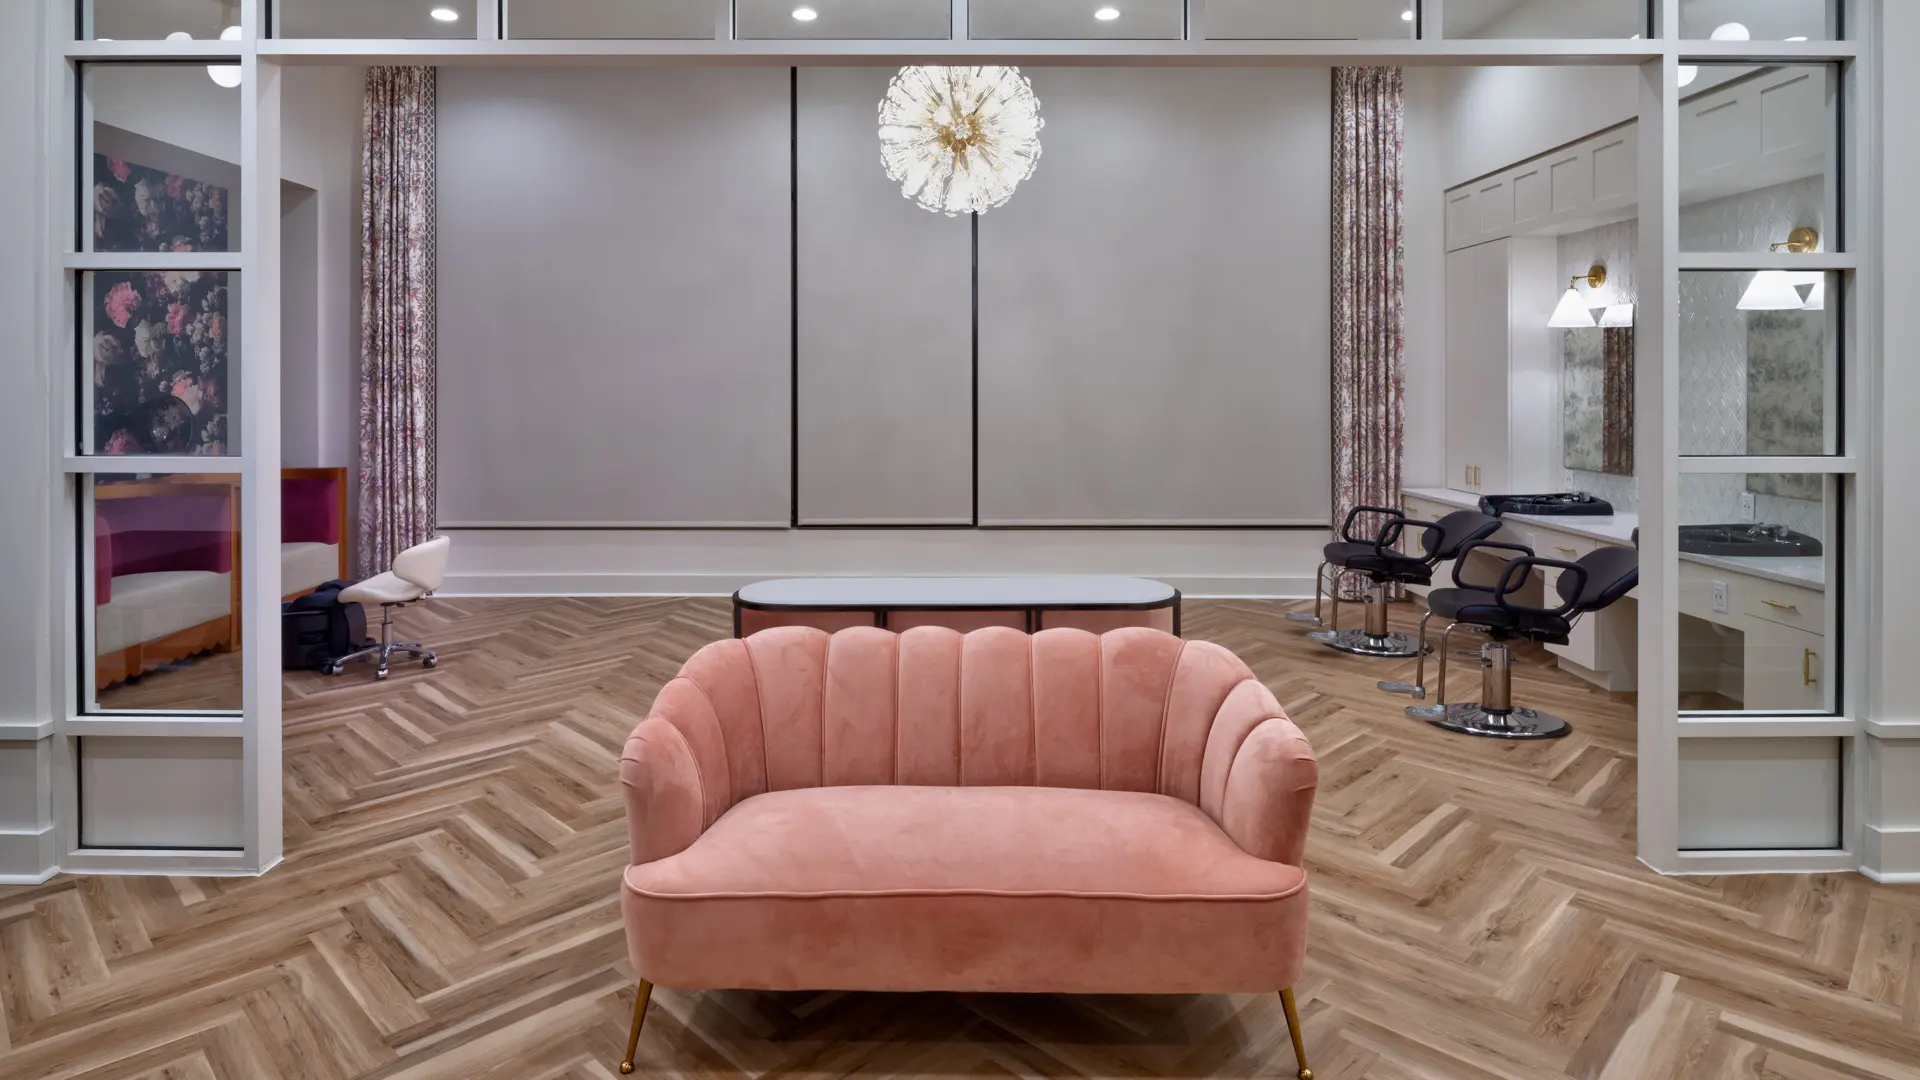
(1732, 31)
(1107, 14)
(1798, 37)
(805, 14)
(1406, 16)
(445, 14)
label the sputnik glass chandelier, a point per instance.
(958, 140)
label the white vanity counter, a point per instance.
(1809, 572)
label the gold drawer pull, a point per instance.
(1778, 606)
(1806, 668)
(1568, 550)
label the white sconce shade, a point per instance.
(1572, 312)
(1771, 290)
(1817, 299)
(1617, 315)
(227, 75)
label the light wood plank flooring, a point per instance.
(447, 907)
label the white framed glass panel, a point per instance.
(653, 19)
(1759, 20)
(1545, 19)
(154, 20)
(845, 19)
(1074, 19)
(1308, 19)
(375, 18)
(160, 370)
(160, 592)
(1759, 363)
(1759, 616)
(1758, 154)
(159, 154)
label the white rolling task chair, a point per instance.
(416, 572)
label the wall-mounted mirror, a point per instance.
(1598, 385)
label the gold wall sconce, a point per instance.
(1573, 311)
(1776, 290)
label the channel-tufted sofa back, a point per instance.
(793, 707)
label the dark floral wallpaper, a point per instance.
(140, 209)
(160, 341)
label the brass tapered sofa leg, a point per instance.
(1293, 1029)
(640, 1017)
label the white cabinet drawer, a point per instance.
(1785, 668)
(1803, 609)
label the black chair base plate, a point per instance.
(1358, 643)
(1468, 718)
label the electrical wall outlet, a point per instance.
(1720, 597)
(1746, 506)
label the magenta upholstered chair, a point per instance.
(1061, 813)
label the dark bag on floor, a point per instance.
(317, 627)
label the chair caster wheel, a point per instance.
(1306, 1074)
(332, 669)
(429, 660)
(381, 673)
(626, 1069)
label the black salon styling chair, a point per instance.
(1376, 558)
(1599, 578)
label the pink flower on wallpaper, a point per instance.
(187, 389)
(118, 167)
(122, 443)
(121, 302)
(175, 184)
(176, 318)
(181, 243)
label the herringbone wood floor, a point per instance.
(447, 908)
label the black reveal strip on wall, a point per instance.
(976, 369)
(793, 286)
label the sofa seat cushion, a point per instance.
(1022, 889)
(307, 565)
(147, 607)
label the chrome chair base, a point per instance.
(1361, 643)
(1412, 690)
(1469, 718)
(384, 650)
(1303, 616)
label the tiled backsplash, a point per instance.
(1717, 410)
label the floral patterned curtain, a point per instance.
(397, 475)
(1369, 318)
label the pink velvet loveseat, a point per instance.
(1058, 812)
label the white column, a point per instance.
(1891, 744)
(27, 848)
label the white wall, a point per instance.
(1499, 116)
(320, 114)
(26, 447)
(1428, 138)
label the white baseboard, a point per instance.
(1891, 853)
(642, 584)
(28, 856)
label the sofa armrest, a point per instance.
(666, 803)
(1269, 795)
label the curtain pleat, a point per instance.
(397, 362)
(1369, 318)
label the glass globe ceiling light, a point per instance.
(958, 140)
(227, 75)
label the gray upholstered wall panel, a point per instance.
(1154, 304)
(614, 265)
(886, 384)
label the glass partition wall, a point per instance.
(1755, 353)
(167, 756)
